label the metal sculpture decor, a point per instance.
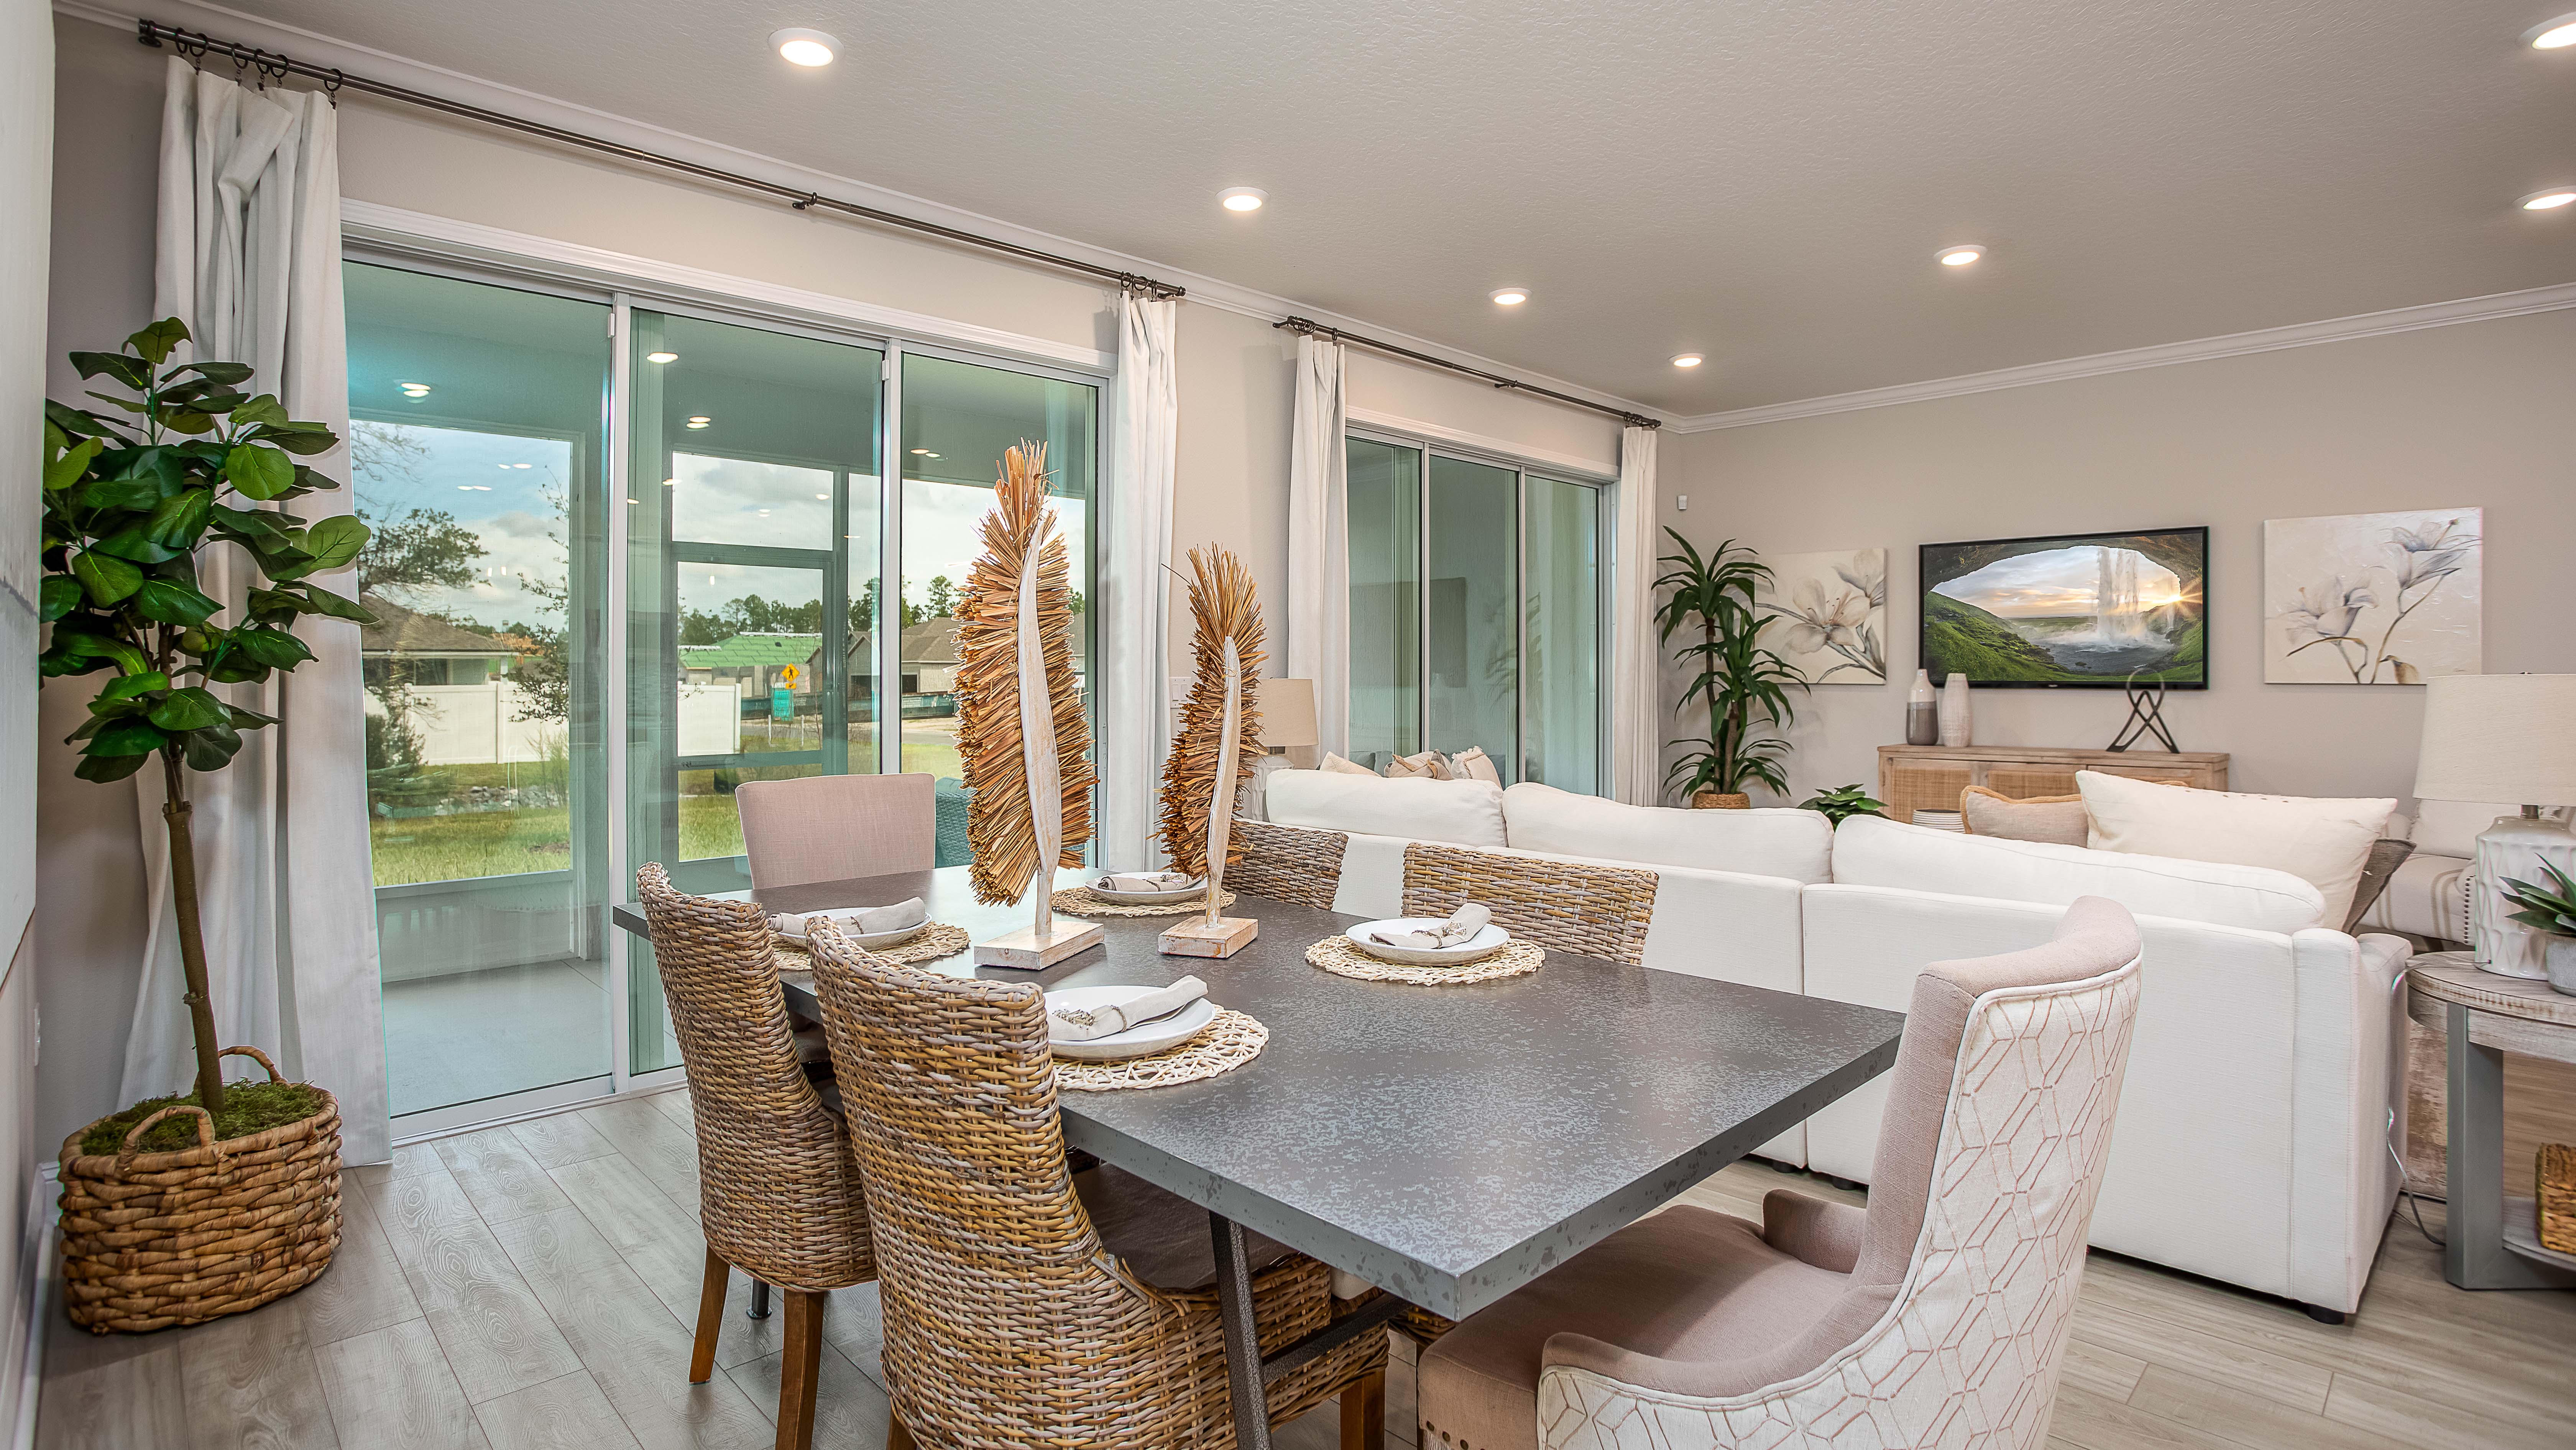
(1214, 752)
(1021, 729)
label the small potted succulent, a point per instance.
(2550, 910)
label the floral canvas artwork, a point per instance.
(1826, 615)
(2371, 599)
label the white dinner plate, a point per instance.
(1476, 948)
(1149, 898)
(866, 941)
(1135, 1041)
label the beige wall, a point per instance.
(2473, 414)
(1235, 382)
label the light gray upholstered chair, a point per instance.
(835, 827)
(1936, 1316)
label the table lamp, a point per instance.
(1288, 728)
(2504, 738)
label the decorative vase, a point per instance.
(152, 1240)
(2514, 849)
(1719, 800)
(1955, 711)
(1922, 711)
(2562, 964)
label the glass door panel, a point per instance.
(1562, 661)
(476, 454)
(1386, 586)
(958, 420)
(752, 545)
(1471, 638)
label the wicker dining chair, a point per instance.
(1597, 911)
(1287, 863)
(1021, 1308)
(778, 1189)
(837, 827)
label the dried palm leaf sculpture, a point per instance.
(1020, 727)
(1217, 745)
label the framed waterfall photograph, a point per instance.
(2069, 610)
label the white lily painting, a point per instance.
(1826, 615)
(2372, 599)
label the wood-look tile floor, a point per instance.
(533, 1286)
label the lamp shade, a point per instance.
(2503, 738)
(1288, 712)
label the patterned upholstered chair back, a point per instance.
(778, 1189)
(1963, 1285)
(1598, 911)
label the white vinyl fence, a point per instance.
(480, 724)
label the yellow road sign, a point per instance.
(787, 674)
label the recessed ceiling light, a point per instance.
(662, 357)
(799, 46)
(921, 450)
(930, 455)
(670, 483)
(700, 422)
(414, 390)
(635, 500)
(824, 496)
(1242, 198)
(1687, 360)
(1959, 256)
(1510, 296)
(2550, 200)
(2555, 34)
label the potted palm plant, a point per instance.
(179, 1209)
(1743, 684)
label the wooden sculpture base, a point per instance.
(1023, 950)
(1195, 938)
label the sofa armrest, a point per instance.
(1813, 1230)
(2349, 1078)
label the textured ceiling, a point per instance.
(1762, 182)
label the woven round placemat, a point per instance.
(1226, 1044)
(1335, 954)
(1083, 901)
(937, 940)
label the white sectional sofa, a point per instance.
(2252, 1141)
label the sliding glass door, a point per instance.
(1476, 612)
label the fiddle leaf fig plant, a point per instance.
(188, 459)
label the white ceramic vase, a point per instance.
(1955, 729)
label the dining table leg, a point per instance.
(1242, 1337)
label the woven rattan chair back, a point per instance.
(778, 1189)
(1007, 1323)
(1287, 863)
(1599, 911)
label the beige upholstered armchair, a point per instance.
(1937, 1316)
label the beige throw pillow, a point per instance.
(1428, 765)
(1474, 764)
(1335, 765)
(2056, 819)
(2322, 840)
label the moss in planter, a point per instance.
(249, 1107)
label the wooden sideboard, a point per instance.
(1930, 777)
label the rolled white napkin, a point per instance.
(857, 920)
(1458, 930)
(1077, 1024)
(1135, 881)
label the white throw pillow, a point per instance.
(1870, 851)
(1474, 764)
(1790, 843)
(1462, 812)
(1338, 766)
(1429, 765)
(2319, 839)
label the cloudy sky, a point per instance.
(2057, 582)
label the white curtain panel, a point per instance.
(248, 255)
(1636, 705)
(1319, 548)
(1134, 590)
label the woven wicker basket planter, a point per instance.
(156, 1239)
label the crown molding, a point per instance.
(2237, 344)
(319, 49)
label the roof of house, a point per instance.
(409, 632)
(755, 651)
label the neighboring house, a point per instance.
(407, 647)
(752, 659)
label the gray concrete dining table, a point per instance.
(1446, 1144)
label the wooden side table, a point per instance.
(2493, 1238)
(1930, 777)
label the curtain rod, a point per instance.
(1305, 327)
(268, 65)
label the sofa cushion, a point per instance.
(1869, 851)
(1461, 812)
(2319, 839)
(1794, 844)
(2055, 818)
